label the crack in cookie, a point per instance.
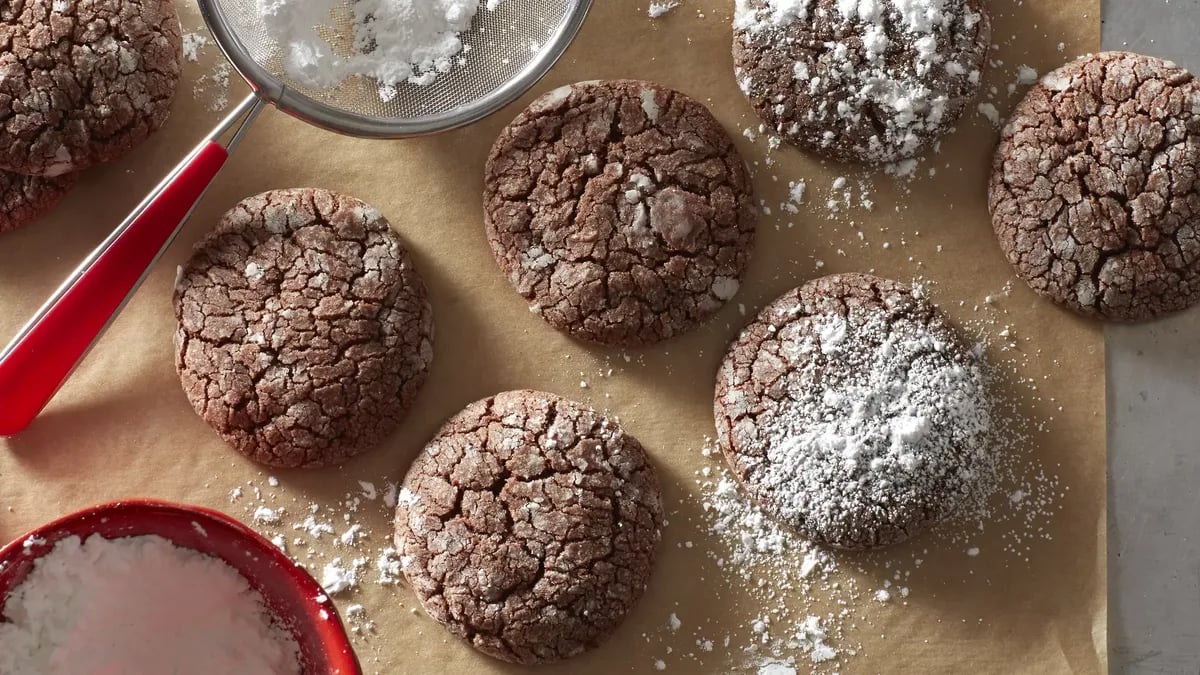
(528, 526)
(304, 329)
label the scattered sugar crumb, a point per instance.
(267, 516)
(658, 9)
(989, 111)
(193, 43)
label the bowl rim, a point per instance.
(334, 639)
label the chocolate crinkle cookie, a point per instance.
(852, 412)
(25, 198)
(528, 526)
(868, 81)
(1094, 192)
(83, 81)
(304, 330)
(620, 210)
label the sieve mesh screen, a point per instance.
(517, 41)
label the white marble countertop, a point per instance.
(1154, 428)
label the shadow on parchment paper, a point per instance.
(460, 374)
(49, 248)
(54, 243)
(156, 394)
(40, 448)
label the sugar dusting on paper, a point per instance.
(335, 541)
(212, 85)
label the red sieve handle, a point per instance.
(45, 352)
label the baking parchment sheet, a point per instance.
(121, 426)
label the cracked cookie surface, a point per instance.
(1094, 192)
(865, 82)
(851, 411)
(528, 526)
(304, 330)
(620, 210)
(25, 198)
(83, 82)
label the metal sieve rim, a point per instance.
(332, 118)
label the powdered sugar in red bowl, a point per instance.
(280, 605)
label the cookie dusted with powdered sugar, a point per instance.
(860, 80)
(851, 411)
(528, 526)
(83, 81)
(620, 210)
(304, 330)
(1094, 192)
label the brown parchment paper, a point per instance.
(121, 426)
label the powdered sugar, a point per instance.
(139, 604)
(344, 542)
(267, 516)
(877, 422)
(193, 43)
(725, 288)
(989, 111)
(338, 577)
(775, 14)
(657, 9)
(394, 41)
(773, 667)
(773, 564)
(214, 85)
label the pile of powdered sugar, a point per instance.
(394, 41)
(139, 605)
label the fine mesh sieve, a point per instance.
(506, 50)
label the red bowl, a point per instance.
(291, 593)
